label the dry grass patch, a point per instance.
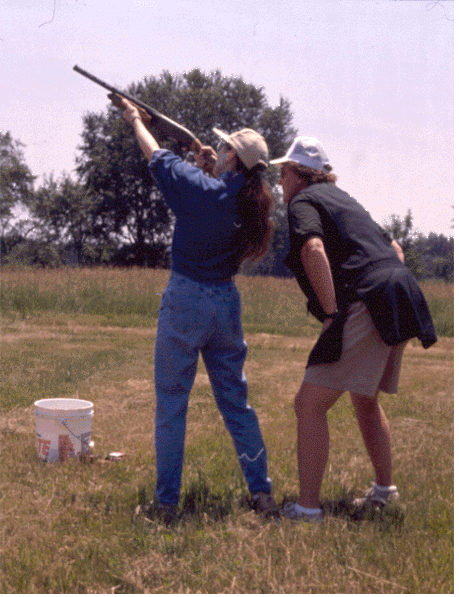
(69, 527)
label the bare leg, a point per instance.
(375, 431)
(311, 406)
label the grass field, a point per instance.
(68, 527)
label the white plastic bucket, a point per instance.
(63, 428)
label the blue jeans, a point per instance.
(202, 318)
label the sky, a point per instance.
(371, 79)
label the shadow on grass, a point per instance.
(198, 503)
(390, 517)
(387, 518)
(200, 499)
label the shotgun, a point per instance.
(150, 116)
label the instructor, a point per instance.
(220, 221)
(370, 305)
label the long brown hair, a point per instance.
(256, 204)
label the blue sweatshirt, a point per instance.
(206, 245)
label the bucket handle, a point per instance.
(83, 441)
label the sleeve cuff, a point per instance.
(156, 155)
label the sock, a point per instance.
(308, 511)
(387, 488)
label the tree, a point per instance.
(16, 180)
(129, 206)
(431, 257)
(401, 230)
(437, 255)
(63, 216)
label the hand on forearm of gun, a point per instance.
(133, 116)
(118, 101)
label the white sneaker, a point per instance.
(291, 511)
(377, 496)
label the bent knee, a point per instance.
(364, 404)
(312, 400)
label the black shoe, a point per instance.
(265, 504)
(156, 512)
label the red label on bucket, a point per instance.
(66, 450)
(43, 447)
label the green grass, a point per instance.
(69, 527)
(441, 304)
(131, 298)
(122, 296)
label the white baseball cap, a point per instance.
(307, 151)
(250, 146)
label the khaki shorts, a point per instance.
(367, 365)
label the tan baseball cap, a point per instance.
(250, 146)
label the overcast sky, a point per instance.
(371, 79)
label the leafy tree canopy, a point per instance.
(427, 257)
(16, 180)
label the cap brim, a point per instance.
(279, 161)
(221, 134)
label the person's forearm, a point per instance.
(131, 115)
(398, 250)
(317, 268)
(145, 139)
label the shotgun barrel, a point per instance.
(159, 121)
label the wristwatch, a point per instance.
(332, 316)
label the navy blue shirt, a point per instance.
(206, 244)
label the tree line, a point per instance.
(112, 212)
